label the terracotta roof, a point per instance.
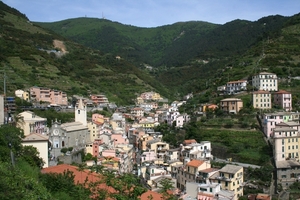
(263, 196)
(195, 163)
(261, 92)
(149, 193)
(205, 194)
(208, 170)
(282, 92)
(189, 141)
(79, 177)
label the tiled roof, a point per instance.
(261, 92)
(195, 163)
(282, 92)
(147, 195)
(79, 177)
(189, 141)
(35, 137)
(231, 169)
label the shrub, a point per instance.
(64, 150)
(228, 125)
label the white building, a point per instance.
(41, 143)
(265, 81)
(236, 86)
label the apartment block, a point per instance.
(265, 81)
(236, 86)
(231, 178)
(283, 99)
(262, 99)
(231, 105)
(55, 97)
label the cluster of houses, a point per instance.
(136, 148)
(265, 85)
(126, 142)
(282, 129)
(53, 97)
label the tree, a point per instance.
(62, 186)
(15, 184)
(10, 139)
(32, 156)
(165, 185)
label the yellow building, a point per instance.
(231, 178)
(143, 141)
(93, 129)
(156, 96)
(31, 123)
(262, 99)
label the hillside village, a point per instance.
(127, 141)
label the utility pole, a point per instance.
(4, 84)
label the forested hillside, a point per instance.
(181, 58)
(30, 57)
(190, 56)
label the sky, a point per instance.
(153, 13)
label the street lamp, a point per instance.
(11, 155)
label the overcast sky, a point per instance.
(153, 13)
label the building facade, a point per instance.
(55, 97)
(231, 105)
(233, 87)
(265, 81)
(262, 99)
(283, 99)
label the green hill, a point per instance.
(185, 56)
(181, 58)
(29, 57)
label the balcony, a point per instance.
(223, 178)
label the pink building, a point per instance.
(109, 153)
(283, 99)
(47, 95)
(119, 139)
(270, 120)
(96, 145)
(99, 99)
(99, 118)
(148, 156)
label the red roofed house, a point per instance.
(191, 141)
(79, 176)
(283, 99)
(151, 195)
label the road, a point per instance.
(236, 163)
